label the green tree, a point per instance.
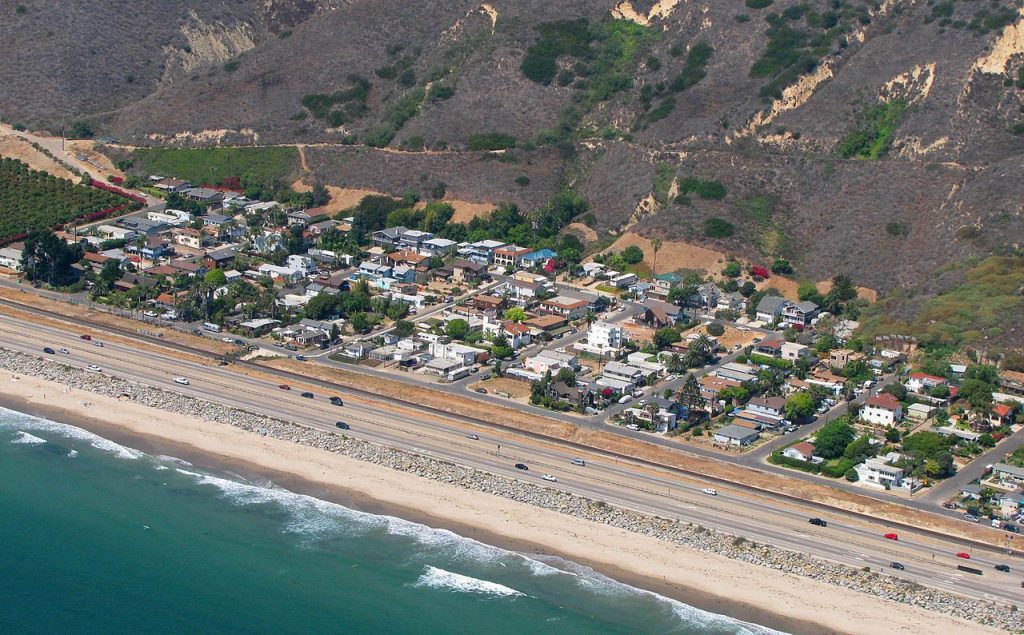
(716, 329)
(570, 255)
(567, 376)
(782, 267)
(799, 406)
(457, 329)
(360, 322)
(807, 291)
(215, 278)
(859, 449)
(833, 437)
(49, 259)
(892, 434)
(732, 269)
(976, 392)
(632, 254)
(747, 289)
(665, 337)
(897, 390)
(500, 347)
(689, 396)
(516, 314)
(404, 328)
(321, 306)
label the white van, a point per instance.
(210, 326)
(625, 398)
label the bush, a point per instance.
(851, 475)
(523, 180)
(777, 458)
(758, 4)
(709, 190)
(564, 37)
(718, 228)
(694, 67)
(716, 329)
(491, 141)
(732, 270)
(874, 138)
(632, 254)
(837, 468)
(782, 267)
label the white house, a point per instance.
(791, 351)
(801, 452)
(882, 409)
(466, 355)
(876, 471)
(736, 435)
(541, 364)
(770, 307)
(923, 382)
(623, 372)
(282, 274)
(604, 338)
(303, 263)
(10, 258)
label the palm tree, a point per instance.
(655, 245)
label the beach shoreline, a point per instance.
(707, 581)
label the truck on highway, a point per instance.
(967, 569)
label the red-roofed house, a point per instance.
(801, 451)
(96, 261)
(771, 348)
(882, 409)
(1001, 415)
(923, 382)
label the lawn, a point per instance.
(213, 165)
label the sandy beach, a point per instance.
(757, 594)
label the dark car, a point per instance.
(285, 387)
(818, 521)
(86, 337)
(337, 401)
(49, 351)
(896, 565)
(522, 466)
(1005, 568)
(342, 425)
(307, 395)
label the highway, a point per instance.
(762, 518)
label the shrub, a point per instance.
(564, 37)
(231, 66)
(709, 190)
(694, 67)
(733, 269)
(440, 92)
(759, 4)
(718, 228)
(716, 329)
(874, 138)
(782, 267)
(632, 254)
(523, 180)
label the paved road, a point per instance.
(763, 518)
(974, 470)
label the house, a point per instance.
(488, 302)
(663, 413)
(171, 185)
(532, 278)
(882, 409)
(413, 239)
(306, 332)
(404, 274)
(1000, 415)
(739, 436)
(773, 406)
(623, 280)
(319, 229)
(216, 220)
(923, 382)
(463, 271)
(544, 362)
(388, 237)
(645, 361)
(193, 238)
(769, 348)
(539, 258)
(801, 452)
(593, 270)
(658, 314)
(604, 338)
(799, 315)
(663, 283)
(623, 372)
(707, 295)
(920, 411)
(1011, 382)
(111, 232)
(371, 270)
(510, 256)
(298, 217)
(1008, 473)
(437, 247)
(257, 327)
(840, 357)
(792, 351)
(305, 264)
(770, 308)
(465, 355)
(219, 258)
(579, 396)
(280, 274)
(443, 366)
(737, 372)
(10, 258)
(204, 195)
(173, 217)
(878, 472)
(731, 301)
(971, 491)
(95, 261)
(569, 308)
(407, 257)
(543, 323)
(357, 350)
(481, 252)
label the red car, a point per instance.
(285, 387)
(964, 555)
(891, 536)
(87, 337)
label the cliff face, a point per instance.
(878, 139)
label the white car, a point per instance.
(549, 477)
(150, 314)
(94, 368)
(64, 351)
(227, 340)
(181, 380)
(709, 491)
(671, 377)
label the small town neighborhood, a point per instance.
(720, 363)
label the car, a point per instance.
(181, 380)
(709, 491)
(634, 427)
(279, 344)
(818, 521)
(522, 466)
(94, 368)
(1011, 528)
(285, 387)
(342, 425)
(1005, 568)
(307, 395)
(671, 377)
(482, 391)
(485, 376)
(150, 314)
(475, 437)
(49, 351)
(227, 340)
(549, 478)
(578, 462)
(223, 362)
(98, 343)
(336, 401)
(757, 340)
(971, 518)
(300, 358)
(896, 565)
(291, 347)
(63, 351)
(964, 555)
(891, 537)
(86, 337)
(240, 342)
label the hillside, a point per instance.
(879, 139)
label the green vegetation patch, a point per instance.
(706, 189)
(491, 141)
(981, 306)
(718, 228)
(215, 165)
(31, 199)
(694, 69)
(873, 138)
(564, 37)
(342, 106)
(396, 115)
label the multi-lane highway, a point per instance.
(929, 559)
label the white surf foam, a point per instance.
(14, 419)
(73, 453)
(27, 439)
(436, 578)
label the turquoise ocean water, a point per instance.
(97, 537)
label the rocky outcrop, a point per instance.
(679, 532)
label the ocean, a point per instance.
(99, 537)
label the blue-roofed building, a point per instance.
(538, 258)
